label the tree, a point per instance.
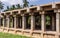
(25, 3)
(18, 6)
(31, 5)
(8, 8)
(12, 7)
(48, 19)
(1, 6)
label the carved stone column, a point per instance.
(57, 22)
(15, 21)
(7, 17)
(8, 21)
(42, 23)
(23, 22)
(32, 23)
(3, 22)
(0, 21)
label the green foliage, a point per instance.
(7, 7)
(48, 20)
(1, 6)
(38, 20)
(18, 6)
(25, 3)
(7, 35)
(13, 7)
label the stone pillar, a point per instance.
(23, 22)
(20, 22)
(7, 21)
(32, 23)
(7, 17)
(0, 21)
(57, 25)
(42, 23)
(3, 22)
(15, 22)
(12, 22)
(57, 22)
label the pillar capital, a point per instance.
(14, 15)
(22, 14)
(53, 5)
(7, 16)
(1, 16)
(56, 10)
(42, 12)
(23, 22)
(31, 13)
(28, 10)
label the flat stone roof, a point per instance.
(39, 6)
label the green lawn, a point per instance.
(6, 35)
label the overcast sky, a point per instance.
(31, 2)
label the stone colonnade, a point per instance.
(34, 21)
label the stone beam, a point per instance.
(57, 10)
(53, 5)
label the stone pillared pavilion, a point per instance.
(41, 21)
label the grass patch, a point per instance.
(7, 35)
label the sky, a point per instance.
(31, 2)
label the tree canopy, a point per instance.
(1, 6)
(18, 6)
(25, 3)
